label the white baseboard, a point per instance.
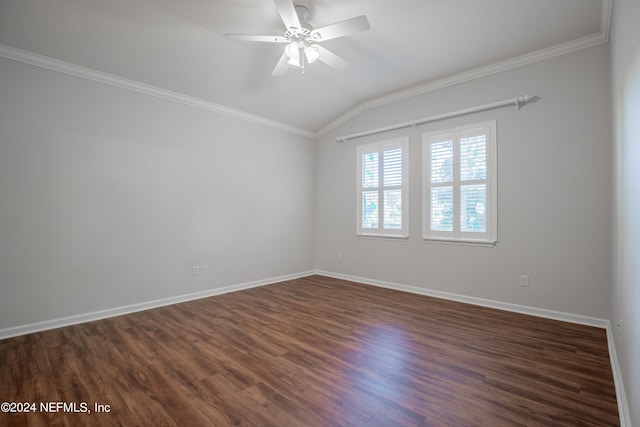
(118, 311)
(523, 309)
(623, 407)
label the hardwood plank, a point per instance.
(315, 351)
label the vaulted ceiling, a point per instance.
(178, 46)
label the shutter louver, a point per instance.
(441, 155)
(473, 157)
(442, 209)
(393, 209)
(370, 170)
(392, 167)
(370, 209)
(473, 208)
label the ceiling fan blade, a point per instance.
(288, 13)
(282, 66)
(331, 59)
(252, 38)
(339, 29)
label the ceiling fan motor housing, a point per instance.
(302, 12)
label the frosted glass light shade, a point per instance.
(292, 50)
(312, 53)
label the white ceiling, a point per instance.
(178, 46)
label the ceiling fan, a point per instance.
(302, 41)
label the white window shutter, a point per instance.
(382, 185)
(459, 184)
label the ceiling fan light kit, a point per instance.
(302, 41)
(300, 53)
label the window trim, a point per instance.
(490, 237)
(380, 147)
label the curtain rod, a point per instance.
(517, 101)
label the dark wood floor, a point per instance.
(314, 352)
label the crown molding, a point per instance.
(53, 64)
(68, 68)
(509, 64)
(605, 18)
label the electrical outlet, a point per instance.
(339, 256)
(195, 270)
(619, 327)
(524, 280)
(205, 269)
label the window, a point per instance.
(459, 184)
(382, 189)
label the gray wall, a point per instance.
(554, 192)
(625, 60)
(108, 197)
